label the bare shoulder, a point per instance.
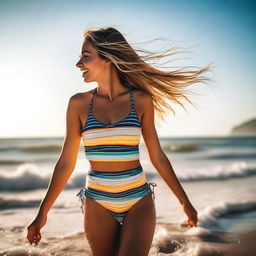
(142, 98)
(141, 95)
(81, 98)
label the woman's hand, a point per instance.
(191, 213)
(34, 235)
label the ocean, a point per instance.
(217, 173)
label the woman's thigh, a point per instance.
(138, 228)
(101, 228)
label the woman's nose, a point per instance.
(79, 64)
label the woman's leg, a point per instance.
(138, 228)
(101, 228)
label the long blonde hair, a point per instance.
(134, 71)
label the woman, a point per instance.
(110, 119)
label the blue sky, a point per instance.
(41, 40)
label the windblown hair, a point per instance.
(134, 71)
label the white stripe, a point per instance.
(116, 131)
(113, 183)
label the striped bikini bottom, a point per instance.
(116, 191)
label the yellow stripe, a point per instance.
(141, 181)
(114, 137)
(113, 140)
(120, 208)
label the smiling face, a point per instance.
(90, 60)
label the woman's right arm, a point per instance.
(67, 160)
(63, 168)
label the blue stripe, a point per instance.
(106, 197)
(111, 148)
(115, 174)
(112, 152)
(131, 120)
(123, 194)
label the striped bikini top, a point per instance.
(112, 142)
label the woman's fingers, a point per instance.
(37, 238)
(191, 223)
(193, 218)
(33, 235)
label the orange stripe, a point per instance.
(141, 181)
(116, 140)
(119, 209)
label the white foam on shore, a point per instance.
(209, 216)
(29, 176)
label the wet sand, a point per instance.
(169, 239)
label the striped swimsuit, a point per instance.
(116, 191)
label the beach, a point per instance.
(218, 175)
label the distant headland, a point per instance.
(247, 128)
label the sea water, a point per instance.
(217, 173)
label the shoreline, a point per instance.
(169, 239)
(178, 242)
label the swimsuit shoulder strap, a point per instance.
(132, 99)
(94, 91)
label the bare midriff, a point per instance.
(109, 166)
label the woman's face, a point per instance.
(90, 60)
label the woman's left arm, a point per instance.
(160, 160)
